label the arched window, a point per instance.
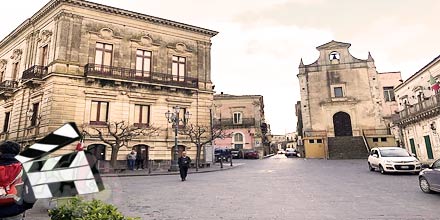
(238, 137)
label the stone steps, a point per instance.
(347, 147)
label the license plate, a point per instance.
(404, 167)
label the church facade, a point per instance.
(346, 105)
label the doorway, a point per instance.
(342, 124)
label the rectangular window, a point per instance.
(143, 63)
(99, 112)
(182, 116)
(34, 117)
(44, 56)
(237, 118)
(388, 93)
(178, 68)
(311, 141)
(6, 122)
(142, 115)
(383, 139)
(103, 55)
(375, 139)
(16, 69)
(338, 92)
(319, 141)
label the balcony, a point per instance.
(229, 123)
(35, 72)
(7, 87)
(132, 75)
(424, 109)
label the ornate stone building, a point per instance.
(91, 64)
(419, 112)
(241, 116)
(346, 105)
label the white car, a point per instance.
(393, 159)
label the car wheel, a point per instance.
(370, 167)
(382, 171)
(424, 185)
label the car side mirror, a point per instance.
(414, 155)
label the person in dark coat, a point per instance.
(140, 158)
(184, 162)
(15, 210)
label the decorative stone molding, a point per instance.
(16, 54)
(64, 14)
(106, 33)
(145, 40)
(3, 64)
(45, 36)
(180, 47)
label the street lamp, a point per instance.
(173, 117)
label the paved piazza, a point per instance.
(275, 188)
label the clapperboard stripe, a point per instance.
(64, 176)
(63, 136)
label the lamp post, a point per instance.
(173, 117)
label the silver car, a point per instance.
(429, 179)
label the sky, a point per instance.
(260, 42)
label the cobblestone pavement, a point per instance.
(274, 188)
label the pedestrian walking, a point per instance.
(184, 162)
(140, 158)
(131, 159)
(16, 195)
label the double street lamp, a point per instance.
(173, 117)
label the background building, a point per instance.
(92, 64)
(241, 116)
(345, 104)
(419, 112)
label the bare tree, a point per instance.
(118, 134)
(201, 135)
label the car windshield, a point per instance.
(394, 153)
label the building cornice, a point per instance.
(423, 69)
(106, 9)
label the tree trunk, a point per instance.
(114, 156)
(197, 156)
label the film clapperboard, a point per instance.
(62, 176)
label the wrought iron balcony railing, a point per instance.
(35, 72)
(139, 76)
(8, 85)
(229, 123)
(430, 103)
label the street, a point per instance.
(274, 188)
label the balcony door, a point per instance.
(143, 64)
(179, 68)
(103, 57)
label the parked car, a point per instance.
(429, 179)
(290, 152)
(235, 153)
(252, 154)
(220, 153)
(281, 151)
(393, 159)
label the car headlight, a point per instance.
(389, 161)
(416, 161)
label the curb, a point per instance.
(172, 173)
(267, 156)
